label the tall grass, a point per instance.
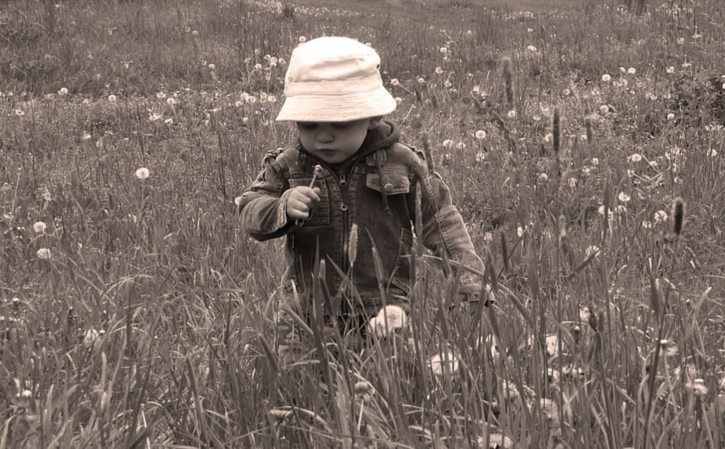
(136, 313)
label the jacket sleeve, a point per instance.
(444, 231)
(262, 205)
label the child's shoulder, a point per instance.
(407, 155)
(282, 154)
(404, 153)
(282, 158)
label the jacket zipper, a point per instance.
(342, 184)
(345, 217)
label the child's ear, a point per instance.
(374, 122)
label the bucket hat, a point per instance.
(334, 79)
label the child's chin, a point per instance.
(329, 156)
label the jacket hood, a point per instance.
(382, 136)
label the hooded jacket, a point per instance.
(375, 190)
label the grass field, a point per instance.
(583, 143)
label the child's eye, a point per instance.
(340, 125)
(307, 125)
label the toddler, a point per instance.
(350, 175)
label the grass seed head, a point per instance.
(352, 244)
(678, 215)
(589, 128)
(507, 71)
(280, 415)
(556, 130)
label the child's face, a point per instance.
(333, 142)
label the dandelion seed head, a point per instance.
(363, 388)
(660, 216)
(606, 77)
(44, 253)
(389, 319)
(532, 49)
(631, 71)
(39, 227)
(480, 134)
(91, 338)
(591, 251)
(511, 114)
(446, 362)
(623, 197)
(635, 157)
(112, 98)
(142, 173)
(698, 387)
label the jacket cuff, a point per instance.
(282, 218)
(454, 233)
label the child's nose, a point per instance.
(325, 136)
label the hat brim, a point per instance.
(337, 107)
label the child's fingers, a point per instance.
(312, 194)
(298, 206)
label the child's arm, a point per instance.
(269, 207)
(444, 231)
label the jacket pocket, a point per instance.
(320, 213)
(395, 179)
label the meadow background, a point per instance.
(135, 313)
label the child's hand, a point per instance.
(301, 200)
